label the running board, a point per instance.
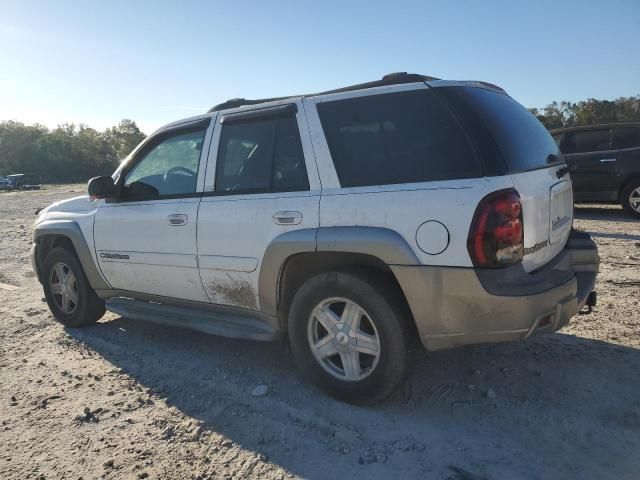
(225, 321)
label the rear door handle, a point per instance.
(287, 218)
(606, 160)
(178, 219)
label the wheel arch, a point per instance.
(625, 183)
(66, 233)
(294, 256)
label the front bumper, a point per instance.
(34, 260)
(459, 306)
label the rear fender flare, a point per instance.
(383, 243)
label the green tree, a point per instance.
(68, 152)
(588, 112)
(124, 137)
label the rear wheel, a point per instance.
(630, 198)
(348, 337)
(66, 288)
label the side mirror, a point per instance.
(101, 187)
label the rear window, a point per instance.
(502, 127)
(395, 138)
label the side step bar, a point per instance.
(225, 321)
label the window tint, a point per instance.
(262, 155)
(168, 167)
(395, 138)
(289, 171)
(500, 126)
(587, 141)
(626, 137)
(557, 138)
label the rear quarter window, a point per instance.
(626, 137)
(395, 138)
(501, 127)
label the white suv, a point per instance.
(354, 221)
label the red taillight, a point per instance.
(496, 236)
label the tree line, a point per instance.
(68, 153)
(75, 153)
(588, 112)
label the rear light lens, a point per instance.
(496, 235)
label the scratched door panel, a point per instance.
(233, 235)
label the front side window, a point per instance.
(587, 141)
(395, 138)
(261, 155)
(169, 166)
(626, 137)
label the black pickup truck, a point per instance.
(605, 163)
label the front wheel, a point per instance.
(66, 288)
(348, 336)
(630, 198)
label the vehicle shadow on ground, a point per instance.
(558, 387)
(608, 213)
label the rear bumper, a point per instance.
(459, 306)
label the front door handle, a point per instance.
(178, 219)
(287, 218)
(606, 160)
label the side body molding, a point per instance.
(71, 230)
(383, 243)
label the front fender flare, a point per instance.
(71, 230)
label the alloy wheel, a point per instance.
(343, 339)
(64, 288)
(634, 199)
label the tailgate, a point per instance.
(547, 210)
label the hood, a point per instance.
(76, 205)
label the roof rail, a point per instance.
(395, 78)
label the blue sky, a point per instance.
(97, 62)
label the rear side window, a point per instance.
(626, 137)
(587, 141)
(501, 127)
(395, 138)
(261, 155)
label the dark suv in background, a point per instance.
(605, 163)
(24, 181)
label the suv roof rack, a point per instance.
(395, 78)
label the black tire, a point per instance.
(88, 309)
(625, 197)
(379, 301)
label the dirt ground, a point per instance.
(126, 399)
